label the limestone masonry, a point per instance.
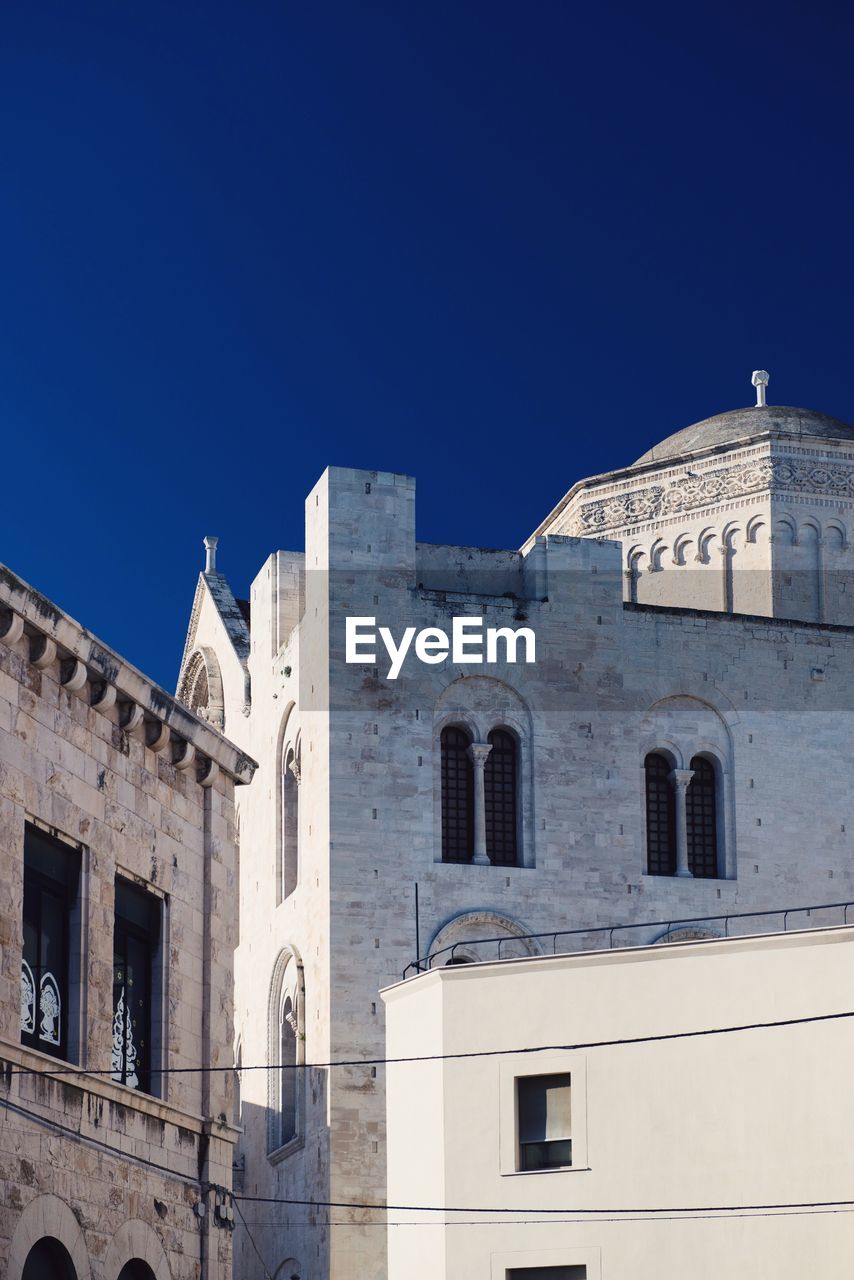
(681, 749)
(117, 932)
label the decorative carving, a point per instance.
(28, 999)
(124, 1050)
(50, 1007)
(723, 484)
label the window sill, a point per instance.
(536, 1173)
(282, 1153)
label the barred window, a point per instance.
(500, 797)
(457, 796)
(660, 816)
(701, 820)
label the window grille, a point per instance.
(500, 797)
(660, 816)
(457, 796)
(701, 820)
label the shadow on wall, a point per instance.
(285, 1241)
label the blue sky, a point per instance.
(497, 246)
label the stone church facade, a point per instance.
(117, 933)
(680, 751)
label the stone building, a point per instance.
(117, 931)
(674, 752)
(646, 1147)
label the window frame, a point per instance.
(466, 732)
(488, 782)
(287, 984)
(512, 1070)
(151, 1079)
(505, 1263)
(71, 895)
(663, 755)
(713, 765)
(524, 1145)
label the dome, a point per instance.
(744, 424)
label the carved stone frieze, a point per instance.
(689, 492)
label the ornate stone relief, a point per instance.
(721, 485)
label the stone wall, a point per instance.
(140, 788)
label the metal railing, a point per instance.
(663, 929)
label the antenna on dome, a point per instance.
(760, 381)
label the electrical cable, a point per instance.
(795, 1205)
(462, 1054)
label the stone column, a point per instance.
(680, 779)
(478, 752)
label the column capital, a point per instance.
(478, 752)
(681, 777)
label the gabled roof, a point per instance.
(233, 614)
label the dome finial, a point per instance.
(760, 381)
(210, 553)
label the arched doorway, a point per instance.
(136, 1270)
(49, 1260)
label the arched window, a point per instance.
(499, 782)
(285, 1054)
(457, 796)
(660, 816)
(701, 820)
(288, 1063)
(237, 1103)
(49, 1260)
(290, 822)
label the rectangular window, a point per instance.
(547, 1273)
(51, 877)
(136, 940)
(544, 1121)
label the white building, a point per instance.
(699, 1126)
(664, 757)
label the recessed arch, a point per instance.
(684, 727)
(200, 687)
(480, 705)
(137, 1241)
(285, 1053)
(468, 936)
(48, 1216)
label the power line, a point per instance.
(775, 1024)
(267, 1273)
(799, 1206)
(685, 1216)
(86, 1140)
(503, 1216)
